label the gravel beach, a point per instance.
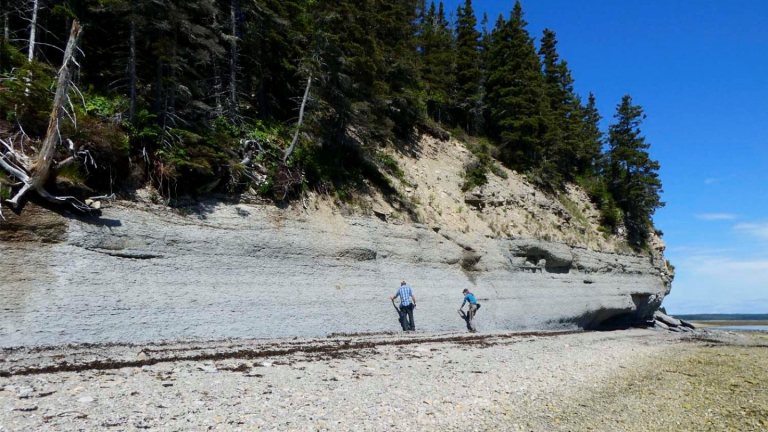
(634, 380)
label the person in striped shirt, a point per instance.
(407, 303)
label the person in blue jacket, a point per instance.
(473, 306)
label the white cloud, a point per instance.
(718, 280)
(711, 181)
(716, 216)
(754, 229)
(700, 250)
(760, 266)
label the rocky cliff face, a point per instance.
(141, 272)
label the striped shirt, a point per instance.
(405, 294)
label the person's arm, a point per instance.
(396, 295)
(463, 303)
(413, 299)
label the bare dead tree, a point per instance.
(234, 12)
(32, 41)
(31, 173)
(218, 78)
(33, 30)
(132, 63)
(6, 24)
(290, 149)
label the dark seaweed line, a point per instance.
(253, 354)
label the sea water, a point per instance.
(763, 328)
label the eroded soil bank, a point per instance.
(627, 380)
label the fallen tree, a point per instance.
(32, 172)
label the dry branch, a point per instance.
(33, 173)
(289, 150)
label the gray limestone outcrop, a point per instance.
(141, 273)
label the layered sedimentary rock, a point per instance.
(142, 273)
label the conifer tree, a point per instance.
(396, 29)
(276, 36)
(632, 175)
(498, 75)
(438, 68)
(198, 78)
(485, 44)
(368, 69)
(347, 74)
(516, 95)
(562, 137)
(468, 74)
(591, 139)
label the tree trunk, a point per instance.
(217, 87)
(234, 12)
(39, 170)
(6, 27)
(159, 104)
(33, 31)
(218, 77)
(289, 150)
(132, 69)
(32, 41)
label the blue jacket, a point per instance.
(469, 298)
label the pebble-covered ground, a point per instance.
(697, 387)
(627, 380)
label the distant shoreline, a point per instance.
(724, 317)
(730, 323)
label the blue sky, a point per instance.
(700, 70)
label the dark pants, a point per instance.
(408, 312)
(471, 317)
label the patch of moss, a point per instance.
(71, 173)
(390, 165)
(476, 173)
(573, 209)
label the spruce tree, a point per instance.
(561, 141)
(398, 98)
(275, 49)
(437, 59)
(368, 69)
(468, 74)
(346, 71)
(195, 78)
(591, 139)
(633, 176)
(516, 95)
(485, 45)
(496, 75)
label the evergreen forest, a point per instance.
(285, 96)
